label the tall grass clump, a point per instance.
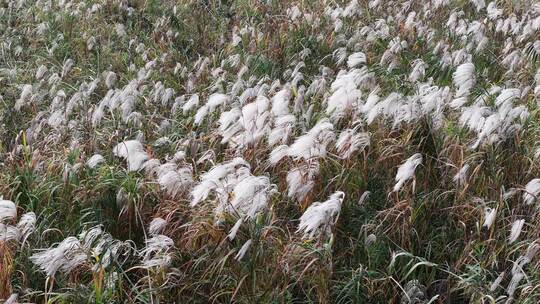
(249, 151)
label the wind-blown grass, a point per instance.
(269, 151)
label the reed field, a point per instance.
(270, 151)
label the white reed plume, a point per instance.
(235, 228)
(464, 79)
(110, 79)
(66, 256)
(343, 100)
(192, 102)
(40, 72)
(489, 217)
(94, 161)
(220, 176)
(497, 282)
(319, 217)
(250, 196)
(515, 231)
(133, 152)
(215, 100)
(406, 170)
(280, 102)
(26, 94)
(301, 179)
(462, 174)
(350, 141)
(418, 70)
(283, 128)
(243, 250)
(8, 210)
(356, 59)
(157, 252)
(8, 233)
(364, 197)
(313, 144)
(254, 120)
(156, 226)
(230, 125)
(26, 226)
(174, 180)
(532, 189)
(12, 299)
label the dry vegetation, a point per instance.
(271, 151)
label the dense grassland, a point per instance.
(269, 151)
